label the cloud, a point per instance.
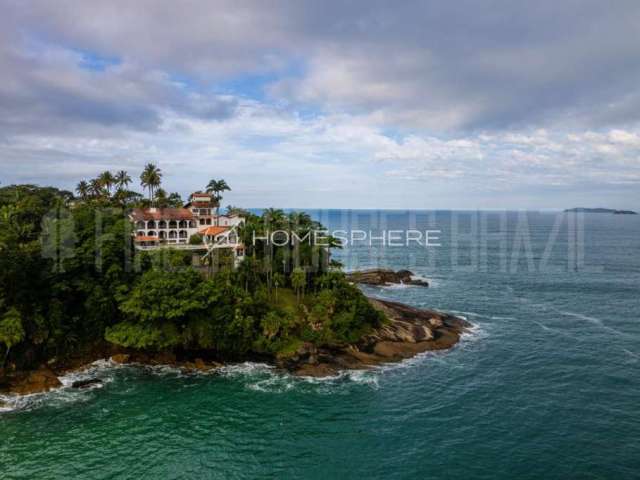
(340, 99)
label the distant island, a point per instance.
(600, 210)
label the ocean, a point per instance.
(547, 384)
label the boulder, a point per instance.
(86, 383)
(317, 370)
(41, 380)
(120, 358)
(435, 322)
(422, 333)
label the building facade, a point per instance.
(157, 227)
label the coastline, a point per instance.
(410, 331)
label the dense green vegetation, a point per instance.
(70, 279)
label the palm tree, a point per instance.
(298, 282)
(122, 180)
(151, 178)
(107, 180)
(83, 189)
(278, 281)
(161, 198)
(217, 187)
(96, 188)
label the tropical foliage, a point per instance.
(70, 279)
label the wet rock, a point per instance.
(383, 277)
(81, 384)
(317, 370)
(39, 381)
(120, 358)
(456, 323)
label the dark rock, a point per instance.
(383, 277)
(86, 383)
(317, 370)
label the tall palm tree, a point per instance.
(83, 189)
(96, 188)
(151, 178)
(107, 180)
(122, 180)
(216, 187)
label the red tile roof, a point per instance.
(161, 214)
(213, 231)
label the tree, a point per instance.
(278, 281)
(216, 187)
(96, 188)
(11, 331)
(151, 178)
(161, 198)
(122, 180)
(298, 282)
(107, 180)
(83, 189)
(175, 200)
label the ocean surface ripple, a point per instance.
(547, 385)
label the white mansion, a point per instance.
(157, 227)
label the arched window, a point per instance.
(162, 224)
(173, 224)
(141, 233)
(141, 225)
(183, 234)
(183, 224)
(151, 224)
(151, 233)
(192, 224)
(173, 234)
(162, 235)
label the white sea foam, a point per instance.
(593, 320)
(101, 369)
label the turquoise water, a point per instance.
(546, 386)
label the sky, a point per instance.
(352, 104)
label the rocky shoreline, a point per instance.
(410, 331)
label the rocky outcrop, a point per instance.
(120, 358)
(383, 277)
(82, 384)
(409, 331)
(39, 381)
